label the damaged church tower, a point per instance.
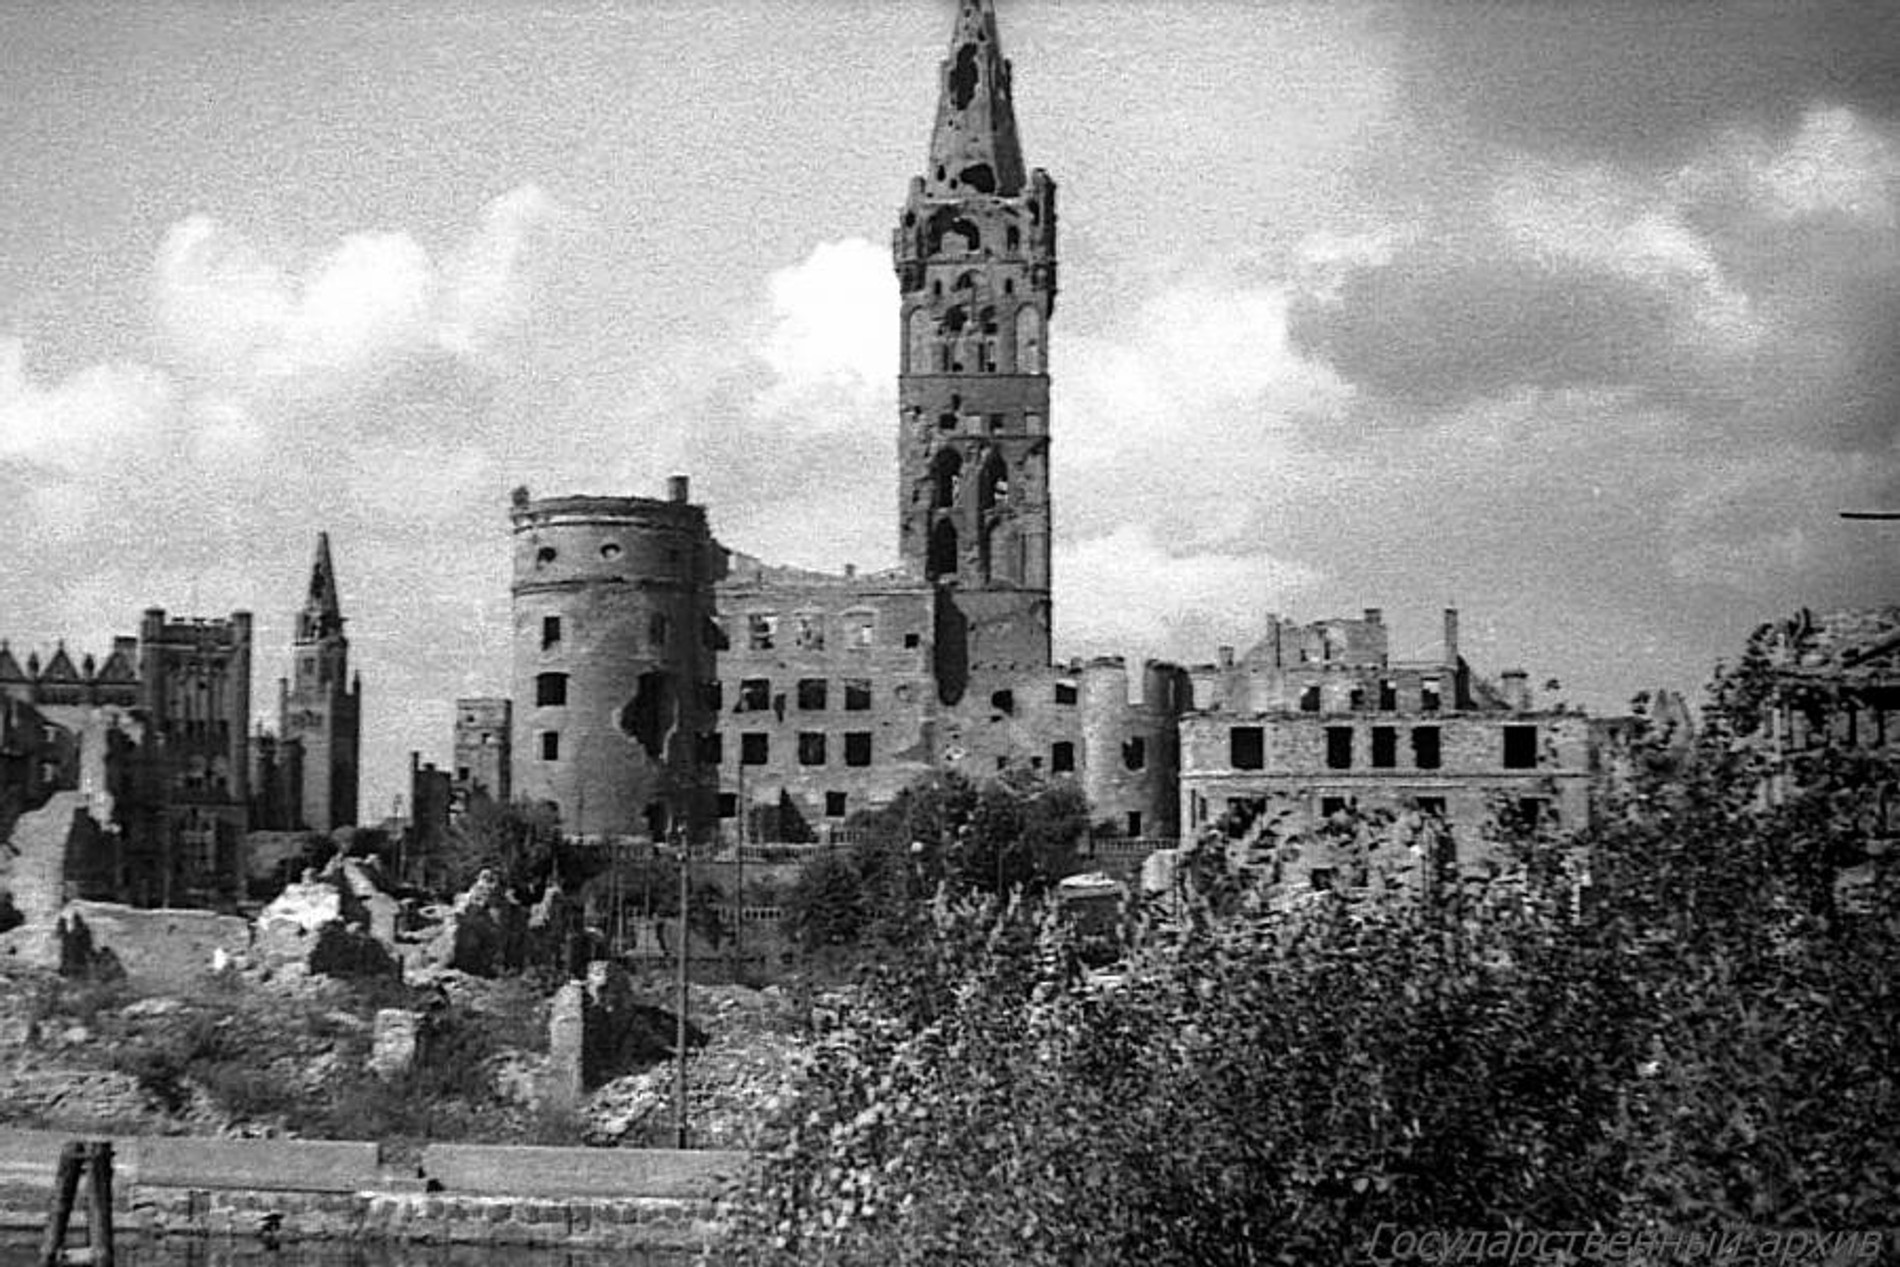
(321, 708)
(976, 266)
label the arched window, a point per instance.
(943, 549)
(1028, 340)
(919, 342)
(993, 488)
(946, 470)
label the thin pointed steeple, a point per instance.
(322, 615)
(974, 148)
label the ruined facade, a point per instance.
(185, 823)
(1317, 719)
(824, 694)
(614, 639)
(837, 691)
(483, 751)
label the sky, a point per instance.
(1581, 317)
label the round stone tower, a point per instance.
(1130, 746)
(614, 654)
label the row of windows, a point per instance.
(1430, 698)
(1247, 747)
(813, 695)
(659, 631)
(806, 631)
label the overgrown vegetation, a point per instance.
(1706, 1035)
(1015, 833)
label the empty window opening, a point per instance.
(544, 556)
(857, 694)
(728, 805)
(1388, 695)
(1432, 806)
(658, 629)
(1339, 747)
(1135, 752)
(857, 748)
(1428, 695)
(761, 631)
(966, 280)
(1065, 693)
(946, 422)
(1133, 827)
(1013, 236)
(993, 488)
(811, 694)
(943, 549)
(1357, 700)
(1004, 702)
(1520, 747)
(835, 804)
(1330, 805)
(712, 695)
(755, 695)
(811, 747)
(1385, 747)
(946, 475)
(1530, 811)
(963, 80)
(980, 177)
(550, 690)
(860, 630)
(1247, 748)
(649, 714)
(1309, 700)
(1425, 747)
(755, 747)
(550, 632)
(550, 745)
(912, 641)
(1062, 757)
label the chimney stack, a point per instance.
(1517, 690)
(677, 488)
(1451, 635)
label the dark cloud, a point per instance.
(1440, 326)
(1634, 81)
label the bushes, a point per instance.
(1710, 1039)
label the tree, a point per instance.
(1692, 1045)
(519, 842)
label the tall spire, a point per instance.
(974, 148)
(322, 615)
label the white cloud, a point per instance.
(1125, 592)
(1628, 227)
(831, 343)
(230, 314)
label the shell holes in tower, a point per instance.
(544, 556)
(610, 550)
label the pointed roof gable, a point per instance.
(974, 148)
(10, 670)
(60, 667)
(117, 669)
(322, 614)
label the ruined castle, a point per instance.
(138, 776)
(660, 680)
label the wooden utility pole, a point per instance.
(679, 1039)
(93, 1159)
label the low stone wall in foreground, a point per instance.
(288, 1190)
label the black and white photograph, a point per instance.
(872, 632)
